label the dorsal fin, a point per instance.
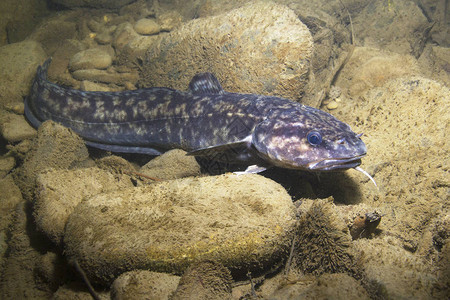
(205, 83)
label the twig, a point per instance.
(291, 255)
(85, 279)
(351, 23)
(252, 285)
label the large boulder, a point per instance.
(260, 48)
(244, 222)
(19, 62)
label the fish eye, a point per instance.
(314, 138)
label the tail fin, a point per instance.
(41, 78)
(42, 70)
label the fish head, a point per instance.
(308, 139)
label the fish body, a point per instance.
(205, 121)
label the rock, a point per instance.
(7, 163)
(147, 26)
(399, 27)
(104, 37)
(205, 280)
(406, 124)
(9, 198)
(396, 271)
(134, 50)
(326, 286)
(56, 147)
(58, 26)
(243, 222)
(105, 76)
(260, 48)
(409, 118)
(3, 246)
(18, 271)
(19, 18)
(370, 67)
(92, 86)
(14, 128)
(94, 26)
(143, 284)
(332, 105)
(19, 62)
(115, 164)
(435, 63)
(93, 3)
(443, 274)
(169, 20)
(123, 34)
(90, 59)
(57, 71)
(51, 270)
(77, 290)
(171, 165)
(323, 241)
(58, 192)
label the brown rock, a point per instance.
(56, 147)
(244, 222)
(58, 192)
(105, 76)
(19, 62)
(94, 58)
(143, 284)
(260, 48)
(172, 164)
(205, 280)
(14, 128)
(147, 26)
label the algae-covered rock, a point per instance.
(172, 164)
(95, 58)
(19, 62)
(143, 284)
(260, 48)
(323, 243)
(371, 67)
(243, 222)
(397, 272)
(58, 192)
(206, 280)
(56, 147)
(15, 128)
(326, 286)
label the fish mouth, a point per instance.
(335, 163)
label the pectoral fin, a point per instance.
(253, 169)
(219, 149)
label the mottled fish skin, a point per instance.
(205, 121)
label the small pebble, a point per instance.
(92, 86)
(94, 58)
(332, 105)
(147, 26)
(103, 38)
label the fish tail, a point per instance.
(34, 96)
(42, 70)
